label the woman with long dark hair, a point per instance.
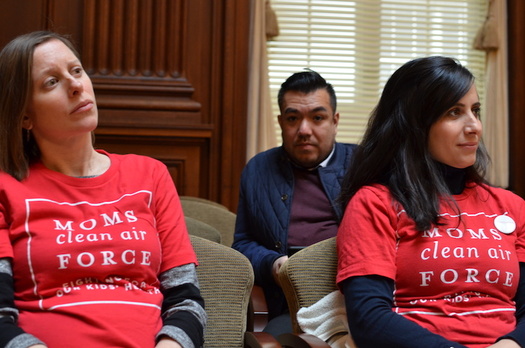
(430, 255)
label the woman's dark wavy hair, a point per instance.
(17, 149)
(394, 151)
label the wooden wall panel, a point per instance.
(18, 17)
(232, 124)
(133, 52)
(516, 53)
(186, 157)
(170, 78)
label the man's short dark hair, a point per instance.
(306, 82)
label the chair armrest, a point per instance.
(260, 340)
(257, 310)
(302, 340)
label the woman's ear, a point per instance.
(26, 123)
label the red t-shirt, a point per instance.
(87, 251)
(457, 280)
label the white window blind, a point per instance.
(357, 45)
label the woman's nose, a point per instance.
(75, 86)
(473, 124)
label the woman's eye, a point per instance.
(454, 112)
(51, 82)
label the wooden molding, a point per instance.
(516, 54)
(170, 77)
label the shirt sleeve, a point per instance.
(367, 239)
(260, 256)
(518, 334)
(372, 323)
(249, 232)
(170, 223)
(11, 335)
(6, 250)
(183, 311)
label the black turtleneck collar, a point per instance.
(455, 178)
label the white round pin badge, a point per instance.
(505, 224)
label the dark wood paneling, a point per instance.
(170, 78)
(137, 59)
(516, 53)
(19, 17)
(185, 153)
(231, 120)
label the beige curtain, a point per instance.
(261, 126)
(492, 38)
